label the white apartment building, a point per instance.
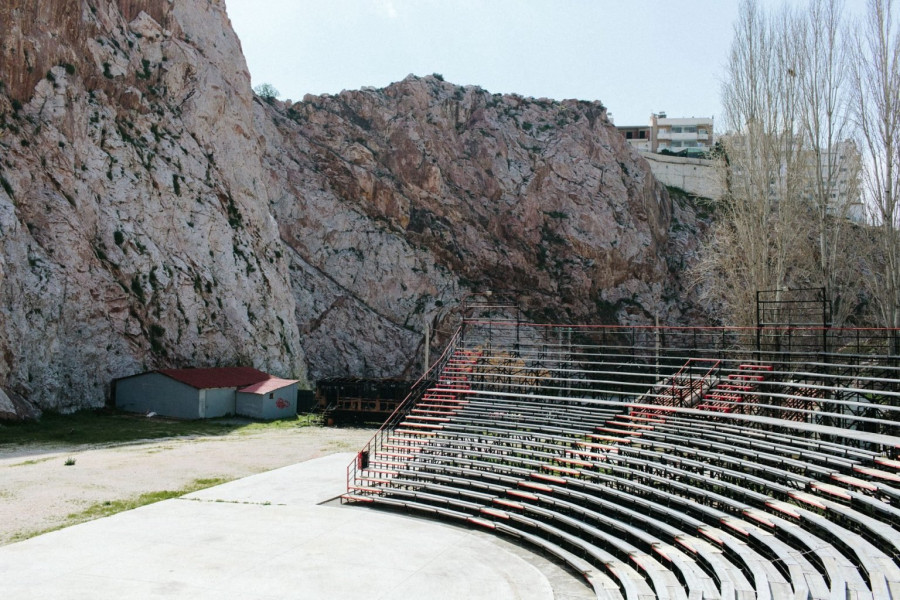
(693, 134)
(638, 136)
(689, 135)
(838, 168)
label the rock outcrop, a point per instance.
(154, 212)
(134, 228)
(409, 197)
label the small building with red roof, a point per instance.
(207, 393)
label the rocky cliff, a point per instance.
(153, 212)
(134, 227)
(400, 201)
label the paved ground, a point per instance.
(268, 536)
(39, 492)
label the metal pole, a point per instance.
(824, 323)
(427, 347)
(758, 327)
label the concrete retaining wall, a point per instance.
(694, 175)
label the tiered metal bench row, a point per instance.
(682, 503)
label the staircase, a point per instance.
(737, 390)
(682, 389)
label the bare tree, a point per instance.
(832, 159)
(875, 81)
(792, 171)
(761, 240)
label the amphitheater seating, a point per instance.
(736, 391)
(680, 491)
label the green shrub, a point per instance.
(137, 288)
(156, 334)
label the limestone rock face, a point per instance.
(412, 196)
(155, 213)
(134, 227)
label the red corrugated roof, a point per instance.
(269, 385)
(217, 377)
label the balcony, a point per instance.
(685, 137)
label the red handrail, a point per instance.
(416, 392)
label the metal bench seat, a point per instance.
(604, 586)
(769, 473)
(629, 580)
(572, 405)
(889, 540)
(480, 404)
(696, 580)
(695, 575)
(784, 444)
(757, 564)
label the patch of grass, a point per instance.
(105, 426)
(35, 461)
(296, 422)
(111, 507)
(70, 461)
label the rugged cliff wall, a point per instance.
(134, 229)
(153, 212)
(408, 197)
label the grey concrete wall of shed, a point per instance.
(261, 406)
(219, 402)
(158, 393)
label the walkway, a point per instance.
(267, 537)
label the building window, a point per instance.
(271, 395)
(643, 134)
(629, 135)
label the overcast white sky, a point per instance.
(635, 56)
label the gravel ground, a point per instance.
(39, 491)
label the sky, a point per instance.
(635, 56)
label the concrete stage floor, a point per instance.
(270, 537)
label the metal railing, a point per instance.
(849, 377)
(685, 389)
(422, 385)
(853, 382)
